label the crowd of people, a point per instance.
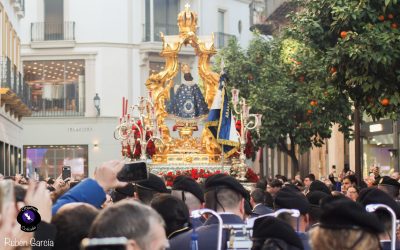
(102, 212)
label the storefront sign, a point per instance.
(80, 130)
(375, 128)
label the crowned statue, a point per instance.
(188, 101)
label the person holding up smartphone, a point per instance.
(93, 190)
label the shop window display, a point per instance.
(56, 88)
(42, 162)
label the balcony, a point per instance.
(58, 107)
(13, 91)
(222, 39)
(52, 35)
(166, 29)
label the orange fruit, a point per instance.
(385, 102)
(390, 16)
(333, 70)
(394, 26)
(381, 18)
(343, 34)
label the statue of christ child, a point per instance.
(188, 102)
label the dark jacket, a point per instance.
(305, 240)
(207, 234)
(261, 209)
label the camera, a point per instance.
(133, 172)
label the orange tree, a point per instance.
(360, 44)
(285, 80)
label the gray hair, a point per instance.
(128, 219)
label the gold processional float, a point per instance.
(144, 124)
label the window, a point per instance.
(47, 161)
(221, 21)
(56, 88)
(164, 18)
(53, 19)
(221, 36)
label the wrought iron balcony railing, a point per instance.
(45, 31)
(11, 79)
(167, 29)
(57, 107)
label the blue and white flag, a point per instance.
(220, 121)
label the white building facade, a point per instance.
(73, 50)
(12, 99)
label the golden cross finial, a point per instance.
(187, 6)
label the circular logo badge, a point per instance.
(28, 217)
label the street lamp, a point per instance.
(96, 101)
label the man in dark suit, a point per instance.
(225, 195)
(257, 198)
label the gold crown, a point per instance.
(185, 68)
(187, 20)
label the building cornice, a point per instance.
(57, 54)
(48, 45)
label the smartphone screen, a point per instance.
(133, 171)
(66, 172)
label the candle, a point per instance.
(235, 96)
(246, 110)
(126, 106)
(259, 118)
(123, 106)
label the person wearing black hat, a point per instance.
(345, 224)
(174, 212)
(314, 198)
(225, 195)
(257, 198)
(274, 233)
(375, 196)
(145, 190)
(318, 185)
(389, 186)
(123, 193)
(291, 199)
(189, 191)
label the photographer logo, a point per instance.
(28, 217)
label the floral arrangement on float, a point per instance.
(200, 174)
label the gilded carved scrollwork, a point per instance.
(159, 84)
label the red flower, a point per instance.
(151, 148)
(251, 176)
(238, 125)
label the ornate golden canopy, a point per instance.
(159, 85)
